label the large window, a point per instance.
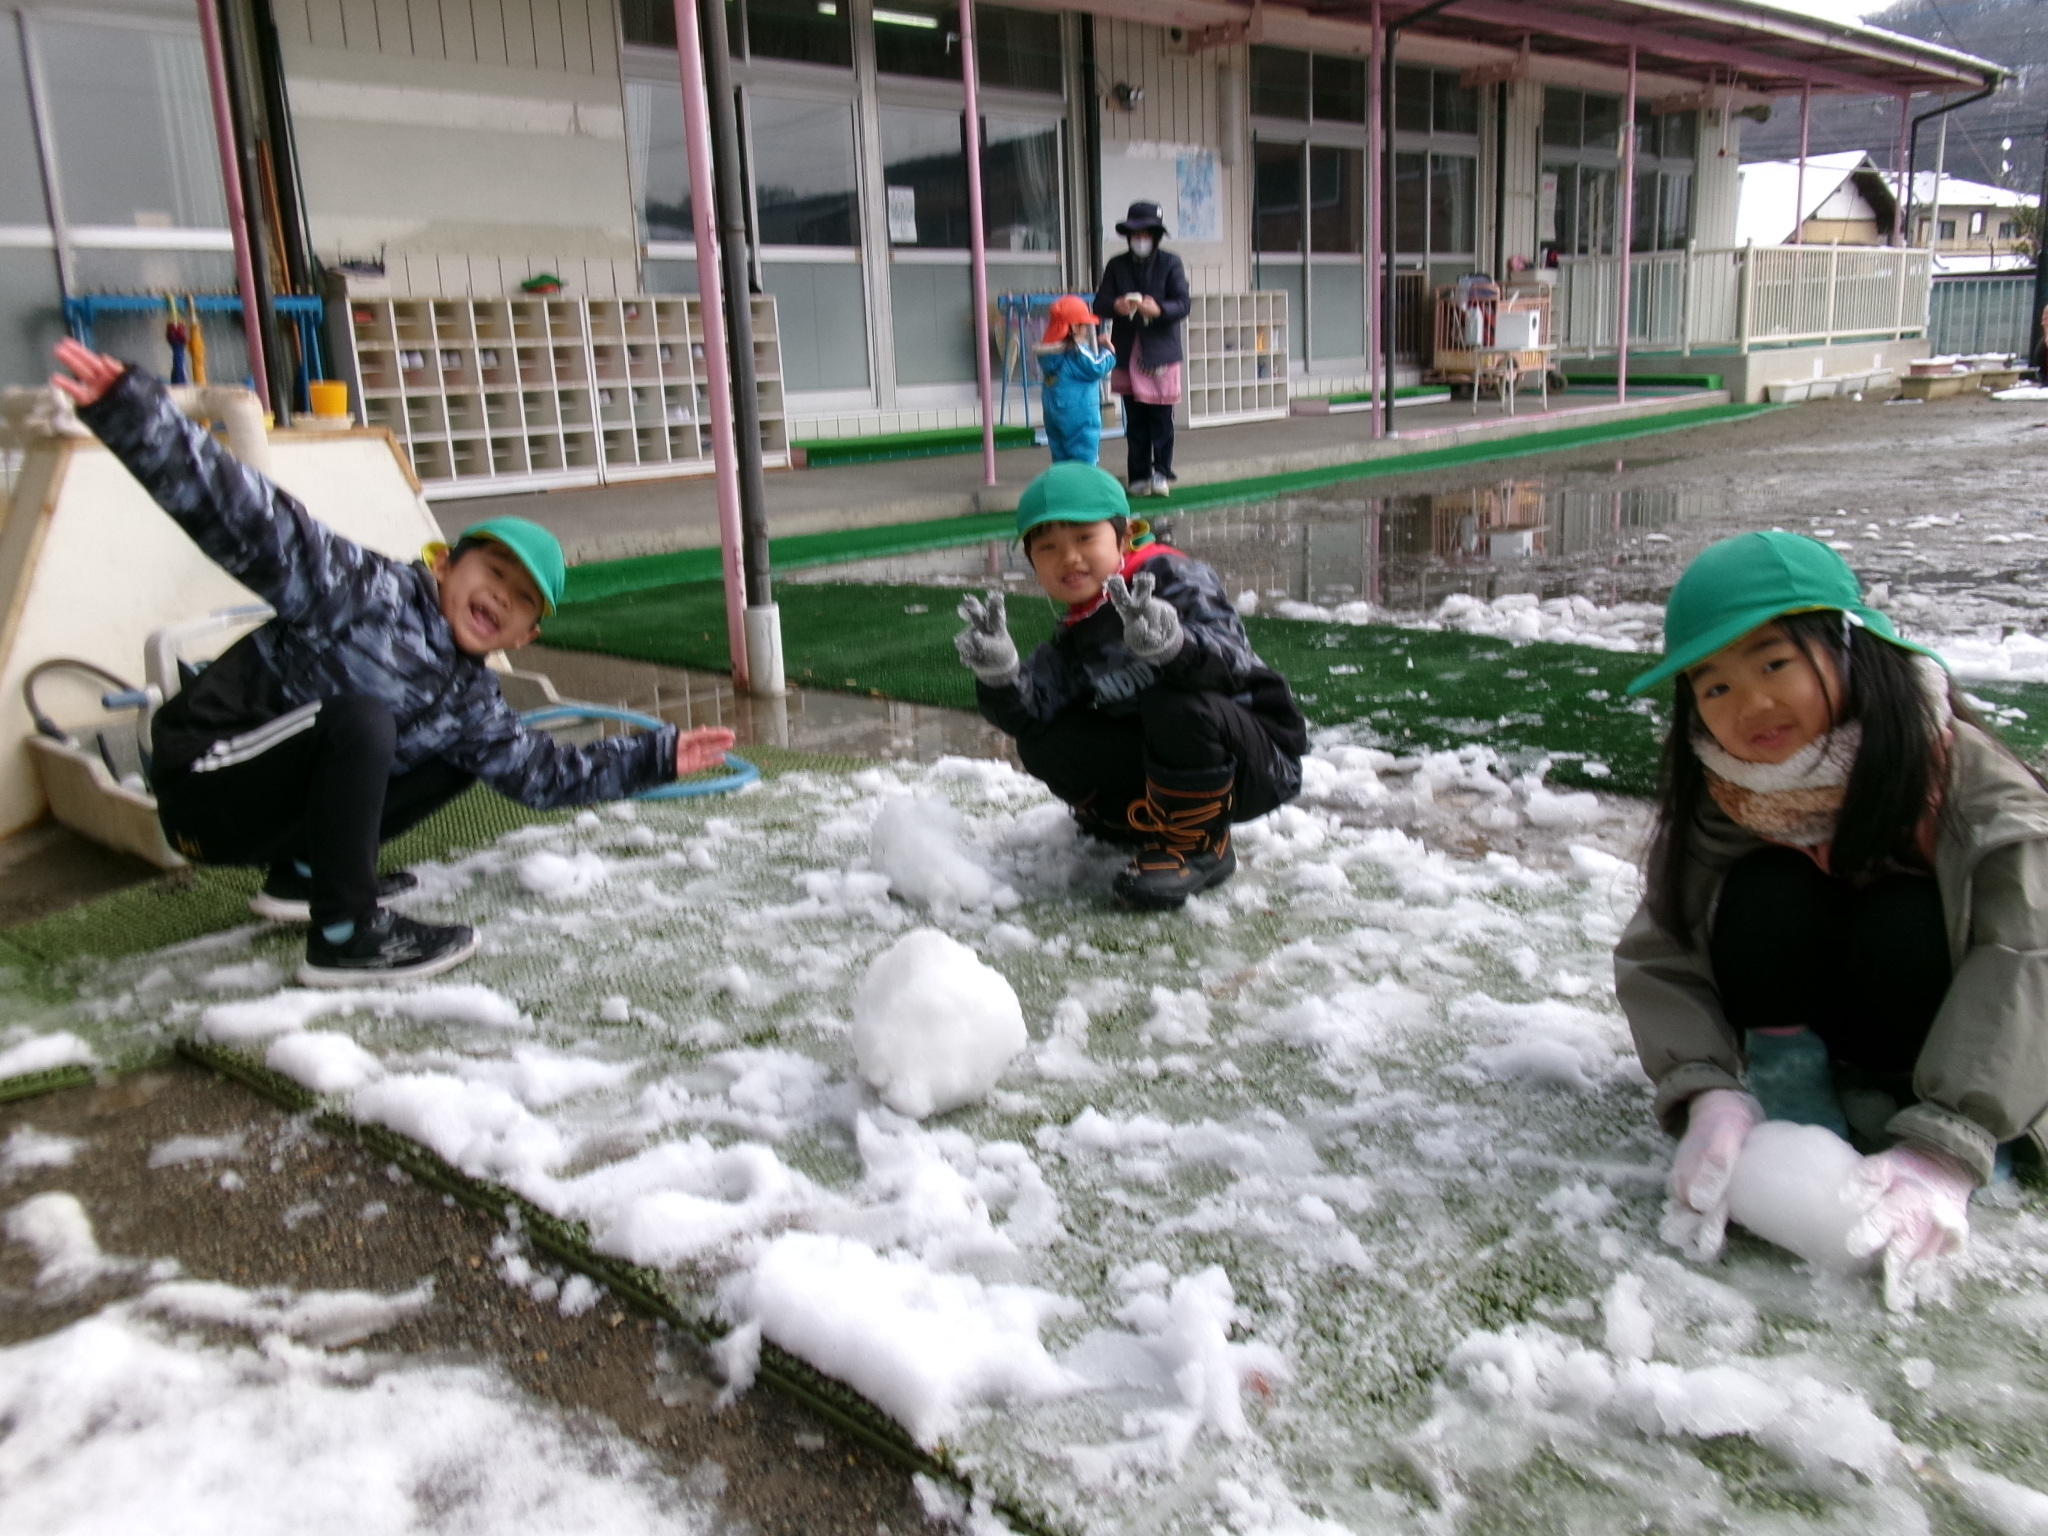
(1579, 199)
(1018, 50)
(132, 174)
(858, 202)
(1436, 170)
(1308, 196)
(805, 186)
(798, 31)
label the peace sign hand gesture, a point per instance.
(1151, 624)
(985, 646)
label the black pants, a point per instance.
(1863, 967)
(1096, 762)
(322, 793)
(1148, 439)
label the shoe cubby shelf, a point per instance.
(1236, 351)
(511, 394)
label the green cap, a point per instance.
(538, 550)
(1740, 583)
(1071, 492)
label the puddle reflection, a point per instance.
(1404, 553)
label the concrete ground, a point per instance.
(655, 516)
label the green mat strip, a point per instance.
(641, 1288)
(611, 578)
(1608, 379)
(33, 1085)
(820, 452)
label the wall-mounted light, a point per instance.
(1126, 95)
(905, 19)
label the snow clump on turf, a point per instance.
(923, 1345)
(933, 1028)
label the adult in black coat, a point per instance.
(1144, 297)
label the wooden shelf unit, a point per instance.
(546, 391)
(1236, 350)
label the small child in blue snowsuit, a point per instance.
(1073, 369)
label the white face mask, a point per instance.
(1141, 246)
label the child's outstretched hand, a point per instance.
(985, 646)
(702, 748)
(96, 373)
(1151, 625)
(1918, 1214)
(1717, 1123)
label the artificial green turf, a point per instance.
(1409, 687)
(191, 903)
(610, 578)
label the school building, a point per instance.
(413, 162)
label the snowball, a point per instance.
(560, 878)
(933, 1028)
(918, 842)
(1793, 1186)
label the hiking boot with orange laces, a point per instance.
(1184, 818)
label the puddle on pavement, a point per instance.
(804, 720)
(1405, 553)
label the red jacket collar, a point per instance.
(1076, 612)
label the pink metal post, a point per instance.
(977, 243)
(711, 304)
(231, 183)
(1799, 186)
(1628, 226)
(1373, 212)
(1899, 159)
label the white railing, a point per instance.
(1742, 296)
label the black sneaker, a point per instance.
(389, 947)
(287, 895)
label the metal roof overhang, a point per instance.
(1756, 49)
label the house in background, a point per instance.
(1846, 199)
(1842, 199)
(1972, 226)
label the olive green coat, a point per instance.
(1982, 1076)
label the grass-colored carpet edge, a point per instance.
(600, 579)
(641, 1288)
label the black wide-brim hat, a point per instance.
(1142, 216)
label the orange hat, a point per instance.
(1067, 312)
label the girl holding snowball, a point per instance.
(1845, 919)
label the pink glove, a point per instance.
(1718, 1122)
(1917, 1209)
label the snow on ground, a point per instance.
(1333, 1199)
(1992, 652)
(128, 1419)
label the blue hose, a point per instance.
(743, 772)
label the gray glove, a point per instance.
(985, 645)
(1151, 626)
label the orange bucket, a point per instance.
(328, 397)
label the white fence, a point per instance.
(1742, 297)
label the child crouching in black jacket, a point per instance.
(1148, 712)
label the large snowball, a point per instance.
(933, 1027)
(1793, 1186)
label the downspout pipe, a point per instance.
(764, 618)
(1377, 381)
(739, 308)
(1628, 231)
(1913, 154)
(977, 241)
(231, 185)
(247, 107)
(711, 305)
(1385, 340)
